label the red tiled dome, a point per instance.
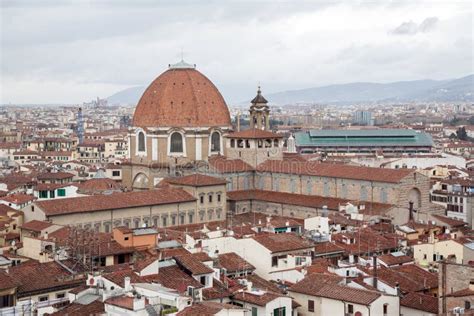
(181, 97)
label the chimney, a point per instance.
(127, 286)
(410, 208)
(375, 271)
(249, 286)
(138, 303)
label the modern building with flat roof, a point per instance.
(343, 142)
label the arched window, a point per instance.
(141, 141)
(176, 143)
(216, 142)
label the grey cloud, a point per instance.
(406, 28)
(411, 28)
(428, 24)
(284, 45)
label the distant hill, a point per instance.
(461, 89)
(127, 96)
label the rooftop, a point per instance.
(114, 201)
(362, 138)
(283, 242)
(198, 180)
(334, 170)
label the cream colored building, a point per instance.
(426, 254)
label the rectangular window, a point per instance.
(43, 194)
(43, 298)
(310, 306)
(190, 218)
(275, 261)
(218, 198)
(201, 199)
(115, 173)
(61, 192)
(210, 198)
(61, 295)
(203, 280)
(173, 220)
(51, 194)
(254, 311)
(280, 311)
(181, 219)
(350, 308)
(164, 222)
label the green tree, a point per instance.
(461, 133)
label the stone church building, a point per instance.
(182, 126)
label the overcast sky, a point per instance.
(72, 51)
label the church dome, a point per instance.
(181, 97)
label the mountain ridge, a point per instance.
(426, 90)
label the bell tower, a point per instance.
(259, 112)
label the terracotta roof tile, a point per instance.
(449, 221)
(181, 98)
(391, 260)
(462, 293)
(302, 200)
(283, 242)
(174, 278)
(55, 176)
(232, 262)
(324, 285)
(224, 165)
(192, 264)
(18, 198)
(7, 281)
(95, 308)
(262, 284)
(205, 309)
(114, 201)
(99, 185)
(36, 226)
(36, 277)
(312, 283)
(125, 302)
(198, 180)
(4, 209)
(118, 277)
(421, 302)
(334, 170)
(256, 299)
